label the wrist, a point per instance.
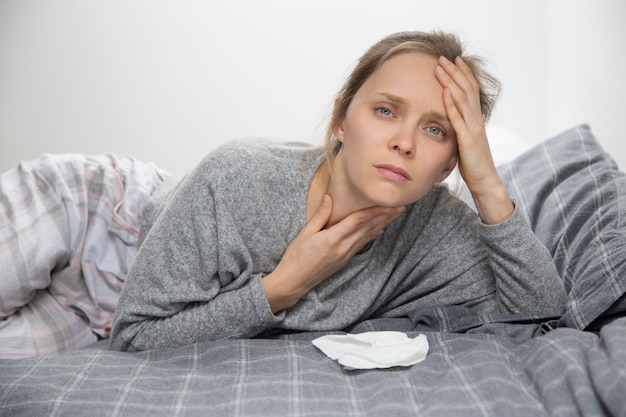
(494, 205)
(278, 292)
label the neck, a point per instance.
(325, 183)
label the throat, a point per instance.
(323, 183)
(317, 188)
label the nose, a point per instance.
(404, 142)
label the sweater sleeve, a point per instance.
(526, 278)
(181, 288)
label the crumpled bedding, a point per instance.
(60, 292)
(493, 370)
(477, 365)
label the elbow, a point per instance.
(552, 303)
(545, 301)
(122, 336)
(561, 302)
(555, 301)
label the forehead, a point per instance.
(406, 74)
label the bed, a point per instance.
(574, 197)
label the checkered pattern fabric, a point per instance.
(68, 232)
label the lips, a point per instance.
(393, 173)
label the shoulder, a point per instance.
(265, 157)
(254, 150)
(437, 214)
(257, 161)
(443, 203)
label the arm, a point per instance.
(185, 284)
(462, 102)
(526, 277)
(195, 279)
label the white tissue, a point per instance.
(373, 349)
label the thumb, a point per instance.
(322, 215)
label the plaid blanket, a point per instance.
(494, 370)
(68, 232)
(478, 365)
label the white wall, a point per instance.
(167, 81)
(586, 69)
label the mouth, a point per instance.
(393, 173)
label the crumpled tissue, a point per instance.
(369, 350)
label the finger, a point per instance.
(454, 98)
(458, 73)
(454, 115)
(366, 224)
(468, 76)
(461, 99)
(380, 223)
(357, 239)
(321, 216)
(442, 75)
(459, 78)
(465, 69)
(372, 217)
(448, 73)
(463, 110)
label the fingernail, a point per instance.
(444, 60)
(440, 69)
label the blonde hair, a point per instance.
(433, 44)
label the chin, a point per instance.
(385, 194)
(391, 200)
(402, 199)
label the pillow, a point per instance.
(505, 144)
(574, 198)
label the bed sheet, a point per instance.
(574, 197)
(494, 369)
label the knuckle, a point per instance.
(360, 218)
(333, 242)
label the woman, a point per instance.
(267, 237)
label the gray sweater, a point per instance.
(197, 275)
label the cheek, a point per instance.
(447, 154)
(348, 130)
(353, 143)
(351, 157)
(359, 125)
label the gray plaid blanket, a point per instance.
(497, 369)
(482, 365)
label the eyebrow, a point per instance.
(397, 100)
(393, 98)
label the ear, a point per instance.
(339, 132)
(448, 169)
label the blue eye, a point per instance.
(437, 131)
(384, 111)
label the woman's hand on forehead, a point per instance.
(461, 96)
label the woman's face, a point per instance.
(397, 140)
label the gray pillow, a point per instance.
(574, 197)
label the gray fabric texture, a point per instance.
(197, 275)
(495, 370)
(479, 364)
(574, 197)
